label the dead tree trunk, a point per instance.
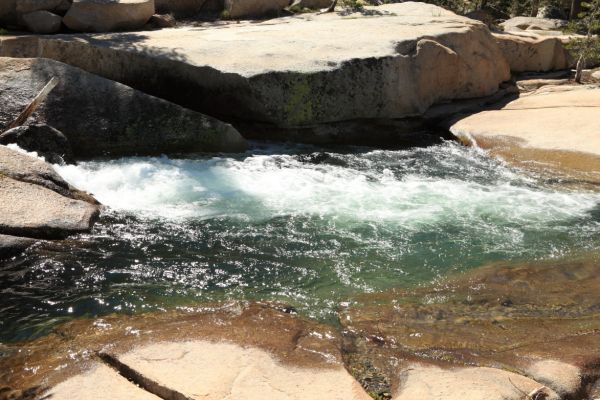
(579, 69)
(575, 9)
(35, 103)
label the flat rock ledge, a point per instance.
(297, 72)
(36, 203)
(554, 127)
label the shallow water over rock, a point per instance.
(307, 226)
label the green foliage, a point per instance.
(225, 14)
(3, 32)
(353, 4)
(586, 48)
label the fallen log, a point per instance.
(35, 103)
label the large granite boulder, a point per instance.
(554, 126)
(29, 6)
(108, 15)
(99, 116)
(8, 13)
(254, 8)
(36, 203)
(302, 71)
(42, 22)
(532, 53)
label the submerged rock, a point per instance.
(458, 339)
(299, 72)
(99, 116)
(108, 15)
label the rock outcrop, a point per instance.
(301, 71)
(180, 8)
(555, 126)
(99, 116)
(531, 53)
(108, 15)
(241, 351)
(36, 203)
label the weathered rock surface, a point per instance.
(556, 126)
(531, 53)
(34, 211)
(118, 119)
(46, 141)
(234, 351)
(32, 203)
(300, 71)
(518, 24)
(108, 15)
(429, 382)
(536, 320)
(162, 21)
(42, 22)
(254, 8)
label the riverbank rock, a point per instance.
(36, 203)
(236, 350)
(108, 15)
(42, 22)
(554, 127)
(118, 119)
(301, 71)
(531, 53)
(46, 141)
(535, 324)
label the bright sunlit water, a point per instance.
(302, 225)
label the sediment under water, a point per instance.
(303, 225)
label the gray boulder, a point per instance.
(254, 8)
(48, 142)
(42, 22)
(162, 21)
(180, 8)
(108, 15)
(29, 6)
(518, 24)
(102, 117)
(35, 202)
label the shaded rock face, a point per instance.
(13, 245)
(42, 22)
(534, 54)
(254, 8)
(48, 142)
(293, 72)
(312, 4)
(252, 351)
(28, 6)
(36, 203)
(8, 12)
(118, 120)
(108, 15)
(180, 8)
(539, 321)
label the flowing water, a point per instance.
(303, 225)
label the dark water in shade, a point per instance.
(303, 225)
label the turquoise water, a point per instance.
(303, 225)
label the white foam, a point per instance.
(262, 186)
